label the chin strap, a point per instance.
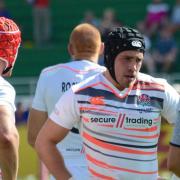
(7, 69)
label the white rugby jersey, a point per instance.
(120, 129)
(7, 97)
(53, 82)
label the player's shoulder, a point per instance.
(53, 68)
(77, 67)
(89, 82)
(151, 79)
(51, 71)
(84, 66)
(6, 87)
(156, 83)
(91, 65)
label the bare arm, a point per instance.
(45, 145)
(174, 160)
(9, 144)
(36, 120)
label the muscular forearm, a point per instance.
(173, 162)
(49, 154)
(174, 159)
(9, 156)
(34, 126)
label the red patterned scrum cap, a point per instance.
(10, 39)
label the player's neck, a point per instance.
(92, 58)
(109, 78)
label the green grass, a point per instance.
(28, 162)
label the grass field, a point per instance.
(28, 163)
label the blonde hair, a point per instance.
(85, 40)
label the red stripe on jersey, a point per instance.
(82, 150)
(100, 175)
(96, 109)
(69, 68)
(122, 120)
(154, 128)
(148, 86)
(108, 166)
(105, 125)
(85, 119)
(119, 120)
(114, 147)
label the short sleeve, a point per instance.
(7, 96)
(171, 103)
(176, 131)
(66, 112)
(39, 101)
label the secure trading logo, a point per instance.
(139, 121)
(103, 120)
(122, 121)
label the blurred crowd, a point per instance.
(21, 114)
(159, 27)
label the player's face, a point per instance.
(127, 65)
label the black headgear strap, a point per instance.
(7, 69)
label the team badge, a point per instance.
(144, 100)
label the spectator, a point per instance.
(175, 16)
(148, 62)
(21, 114)
(157, 16)
(108, 22)
(42, 22)
(90, 18)
(3, 10)
(165, 50)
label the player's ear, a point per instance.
(101, 48)
(70, 49)
(3, 66)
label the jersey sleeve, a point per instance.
(171, 103)
(176, 131)
(7, 97)
(39, 101)
(66, 112)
